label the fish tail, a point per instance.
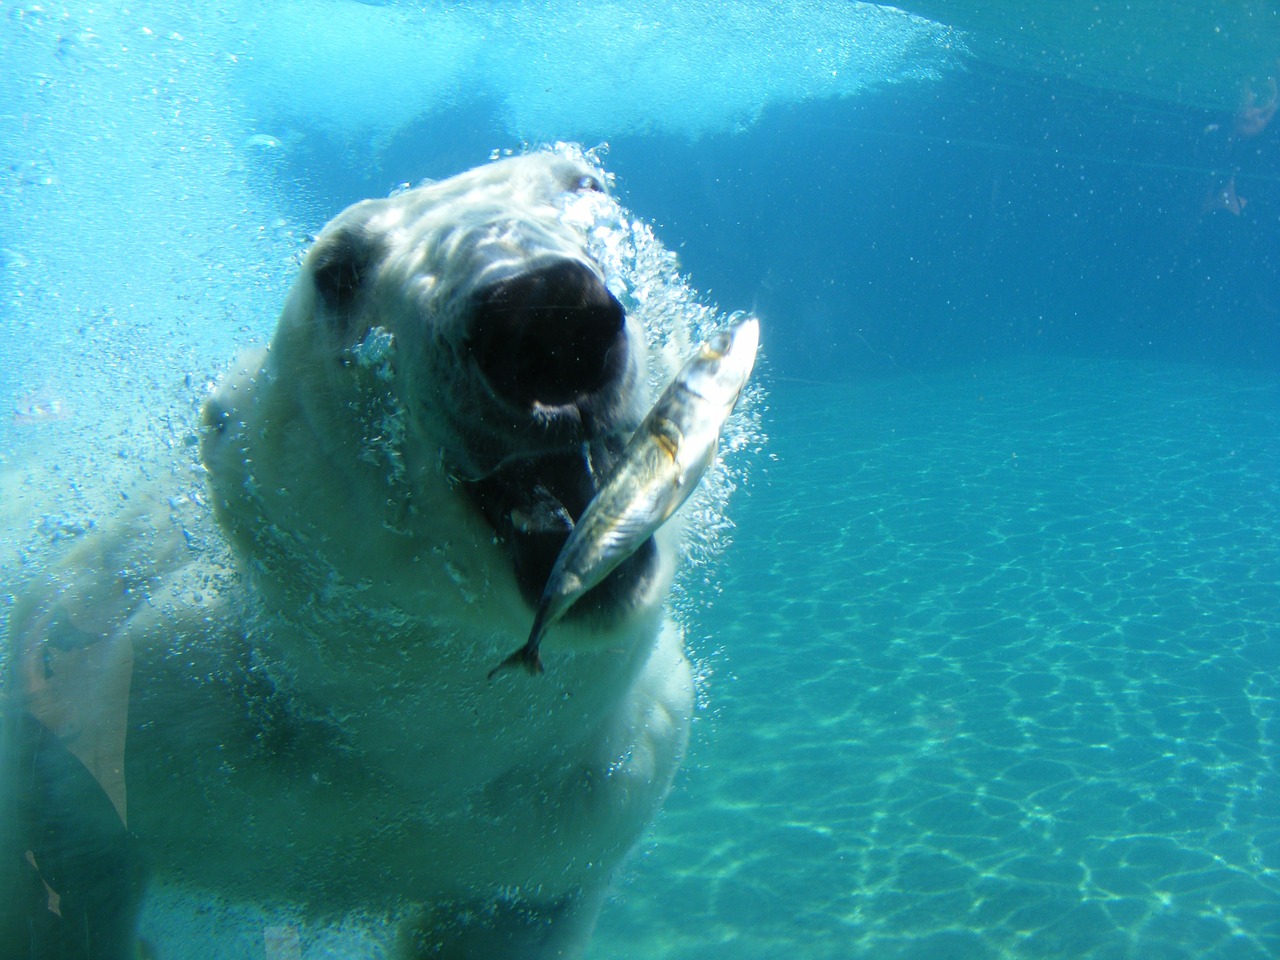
(527, 657)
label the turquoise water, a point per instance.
(991, 667)
(993, 675)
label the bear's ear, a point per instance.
(339, 266)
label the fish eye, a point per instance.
(719, 345)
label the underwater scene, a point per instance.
(980, 593)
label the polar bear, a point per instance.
(289, 704)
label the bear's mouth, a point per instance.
(532, 505)
(550, 343)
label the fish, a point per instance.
(659, 468)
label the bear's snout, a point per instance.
(549, 336)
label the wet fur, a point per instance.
(301, 677)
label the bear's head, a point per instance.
(451, 376)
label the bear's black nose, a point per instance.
(551, 335)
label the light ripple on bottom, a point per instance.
(998, 680)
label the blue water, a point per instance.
(991, 665)
(994, 673)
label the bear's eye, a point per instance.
(339, 265)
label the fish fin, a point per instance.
(527, 657)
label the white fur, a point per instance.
(311, 722)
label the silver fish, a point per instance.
(660, 466)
